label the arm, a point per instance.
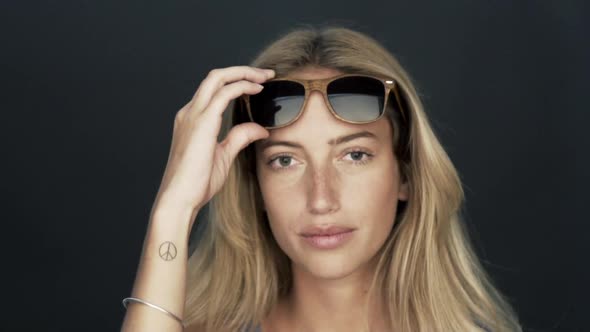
(196, 169)
(161, 275)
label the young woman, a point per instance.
(333, 206)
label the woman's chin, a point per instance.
(331, 269)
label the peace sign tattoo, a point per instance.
(167, 251)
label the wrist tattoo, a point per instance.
(167, 251)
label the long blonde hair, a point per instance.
(428, 275)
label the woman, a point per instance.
(343, 215)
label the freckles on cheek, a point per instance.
(373, 190)
(274, 188)
(278, 182)
(280, 192)
(284, 204)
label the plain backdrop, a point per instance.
(90, 90)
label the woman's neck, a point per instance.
(326, 305)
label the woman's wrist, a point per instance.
(169, 218)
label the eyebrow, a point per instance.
(339, 140)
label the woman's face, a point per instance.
(354, 184)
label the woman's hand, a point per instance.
(197, 164)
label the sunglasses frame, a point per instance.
(321, 85)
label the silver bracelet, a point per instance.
(134, 299)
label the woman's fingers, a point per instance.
(219, 77)
(223, 96)
(240, 136)
(198, 164)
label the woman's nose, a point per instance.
(323, 194)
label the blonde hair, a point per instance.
(428, 276)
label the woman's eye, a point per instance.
(282, 162)
(357, 157)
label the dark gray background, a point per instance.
(90, 91)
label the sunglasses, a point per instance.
(351, 98)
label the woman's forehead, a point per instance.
(310, 136)
(314, 72)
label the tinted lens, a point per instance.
(277, 104)
(357, 98)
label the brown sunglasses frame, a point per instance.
(321, 85)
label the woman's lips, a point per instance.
(330, 241)
(330, 230)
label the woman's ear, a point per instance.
(403, 193)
